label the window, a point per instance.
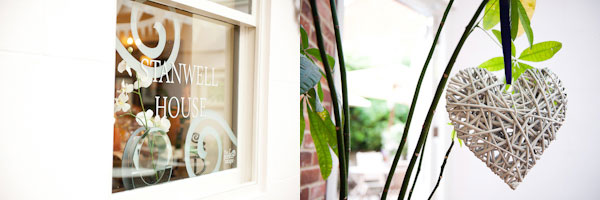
(178, 107)
(241, 5)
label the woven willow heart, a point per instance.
(508, 131)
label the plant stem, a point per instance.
(442, 169)
(139, 93)
(488, 34)
(414, 103)
(334, 99)
(418, 170)
(342, 63)
(151, 140)
(438, 94)
(128, 114)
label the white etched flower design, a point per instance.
(126, 88)
(123, 66)
(145, 117)
(121, 103)
(162, 123)
(142, 81)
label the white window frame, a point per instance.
(245, 178)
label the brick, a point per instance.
(304, 194)
(324, 86)
(326, 90)
(307, 24)
(318, 191)
(313, 36)
(306, 159)
(328, 34)
(308, 142)
(324, 12)
(325, 3)
(308, 176)
(330, 48)
(307, 127)
(306, 9)
(315, 160)
(327, 96)
(312, 43)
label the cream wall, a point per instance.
(57, 85)
(569, 168)
(57, 92)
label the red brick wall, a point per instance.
(312, 185)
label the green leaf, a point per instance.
(494, 64)
(322, 72)
(492, 14)
(514, 19)
(459, 140)
(302, 122)
(309, 74)
(518, 69)
(314, 103)
(320, 91)
(498, 35)
(525, 23)
(330, 134)
(540, 51)
(317, 131)
(454, 136)
(304, 37)
(317, 54)
(529, 6)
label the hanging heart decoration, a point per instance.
(508, 131)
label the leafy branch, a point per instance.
(322, 128)
(345, 105)
(334, 99)
(519, 17)
(413, 103)
(436, 99)
(535, 53)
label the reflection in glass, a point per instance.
(174, 96)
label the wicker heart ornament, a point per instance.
(508, 131)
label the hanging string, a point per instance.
(506, 40)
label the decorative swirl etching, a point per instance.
(138, 66)
(162, 35)
(133, 174)
(206, 131)
(195, 137)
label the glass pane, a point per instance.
(241, 5)
(177, 68)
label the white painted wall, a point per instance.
(57, 94)
(56, 101)
(569, 168)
